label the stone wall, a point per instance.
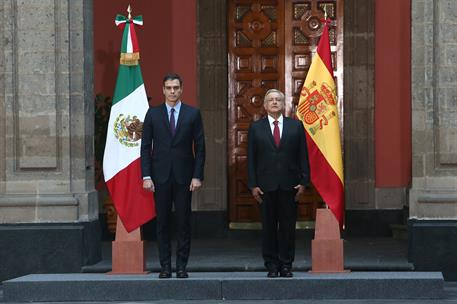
(359, 104)
(46, 112)
(434, 109)
(48, 205)
(433, 196)
(212, 95)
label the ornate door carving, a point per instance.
(270, 45)
(256, 52)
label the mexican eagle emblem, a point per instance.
(128, 130)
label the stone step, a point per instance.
(224, 285)
(258, 266)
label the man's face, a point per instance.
(172, 90)
(273, 104)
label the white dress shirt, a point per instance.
(280, 124)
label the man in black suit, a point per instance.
(172, 161)
(278, 172)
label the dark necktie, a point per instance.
(276, 135)
(172, 121)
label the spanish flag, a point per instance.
(317, 109)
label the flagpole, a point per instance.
(325, 24)
(134, 205)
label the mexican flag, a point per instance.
(121, 161)
(318, 110)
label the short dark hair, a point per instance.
(172, 76)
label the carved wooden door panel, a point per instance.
(270, 45)
(256, 52)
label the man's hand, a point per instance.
(257, 194)
(195, 184)
(300, 191)
(148, 185)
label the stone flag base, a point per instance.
(128, 251)
(327, 246)
(327, 256)
(224, 285)
(128, 258)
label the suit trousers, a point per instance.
(165, 195)
(279, 216)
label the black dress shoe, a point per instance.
(165, 273)
(272, 274)
(182, 274)
(286, 272)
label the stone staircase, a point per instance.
(224, 286)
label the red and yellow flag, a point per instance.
(318, 111)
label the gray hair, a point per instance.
(283, 97)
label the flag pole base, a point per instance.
(128, 251)
(327, 246)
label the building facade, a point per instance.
(395, 66)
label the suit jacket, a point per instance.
(283, 167)
(182, 155)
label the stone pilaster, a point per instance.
(210, 203)
(46, 129)
(359, 104)
(212, 95)
(434, 190)
(47, 150)
(433, 196)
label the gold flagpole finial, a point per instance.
(325, 11)
(129, 10)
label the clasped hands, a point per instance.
(257, 193)
(195, 184)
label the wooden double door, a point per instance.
(270, 45)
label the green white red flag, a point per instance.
(121, 160)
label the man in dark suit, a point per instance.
(278, 172)
(172, 161)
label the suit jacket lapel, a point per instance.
(267, 129)
(182, 114)
(165, 119)
(285, 131)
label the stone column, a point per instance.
(433, 196)
(359, 115)
(48, 204)
(370, 210)
(210, 204)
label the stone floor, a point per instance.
(360, 254)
